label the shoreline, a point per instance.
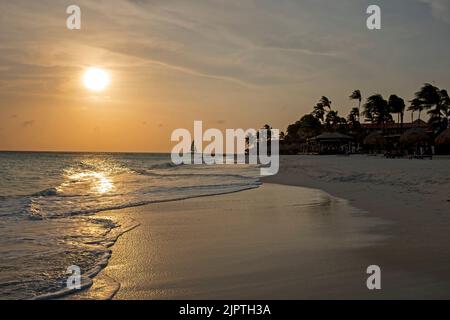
(412, 195)
(205, 278)
(105, 286)
(394, 233)
(353, 181)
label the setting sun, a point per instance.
(96, 79)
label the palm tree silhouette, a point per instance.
(325, 102)
(416, 105)
(308, 126)
(356, 95)
(445, 105)
(353, 117)
(334, 122)
(397, 105)
(376, 110)
(319, 111)
(437, 102)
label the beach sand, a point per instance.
(290, 242)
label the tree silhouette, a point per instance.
(415, 106)
(353, 117)
(376, 110)
(397, 105)
(437, 102)
(319, 111)
(356, 95)
(325, 102)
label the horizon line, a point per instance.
(78, 151)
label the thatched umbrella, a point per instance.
(414, 136)
(444, 138)
(375, 139)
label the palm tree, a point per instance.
(308, 127)
(437, 102)
(356, 95)
(319, 111)
(353, 117)
(376, 110)
(428, 95)
(397, 105)
(416, 105)
(325, 102)
(267, 129)
(331, 119)
(334, 122)
(445, 105)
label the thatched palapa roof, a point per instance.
(413, 136)
(375, 139)
(443, 138)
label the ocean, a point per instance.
(49, 201)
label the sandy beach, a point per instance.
(291, 242)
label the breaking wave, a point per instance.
(49, 202)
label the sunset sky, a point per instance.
(232, 64)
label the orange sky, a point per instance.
(232, 64)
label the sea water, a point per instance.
(49, 201)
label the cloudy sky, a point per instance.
(232, 64)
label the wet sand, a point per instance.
(274, 242)
(413, 195)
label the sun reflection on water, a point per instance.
(100, 182)
(92, 176)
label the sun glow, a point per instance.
(96, 79)
(79, 182)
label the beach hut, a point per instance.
(414, 136)
(333, 143)
(417, 142)
(375, 139)
(443, 139)
(443, 142)
(374, 142)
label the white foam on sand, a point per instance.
(105, 287)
